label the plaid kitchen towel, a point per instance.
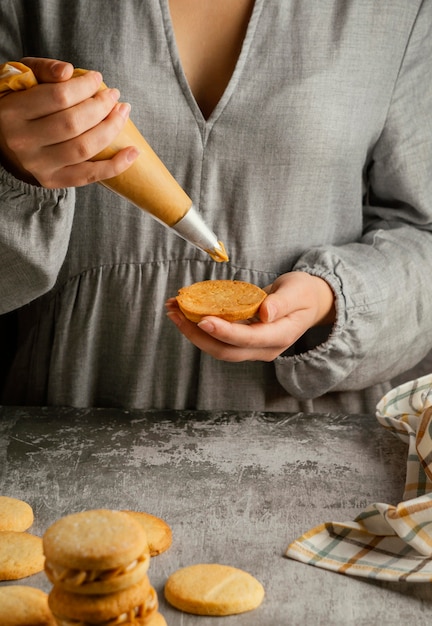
(387, 542)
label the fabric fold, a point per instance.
(385, 541)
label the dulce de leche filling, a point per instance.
(219, 254)
(145, 609)
(77, 577)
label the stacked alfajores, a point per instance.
(97, 562)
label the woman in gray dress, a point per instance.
(303, 134)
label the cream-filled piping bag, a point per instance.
(147, 183)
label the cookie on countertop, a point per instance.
(96, 552)
(21, 555)
(213, 589)
(15, 514)
(24, 606)
(159, 533)
(134, 605)
(157, 619)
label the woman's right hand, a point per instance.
(48, 133)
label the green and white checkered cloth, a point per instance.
(387, 542)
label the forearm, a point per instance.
(384, 304)
(382, 282)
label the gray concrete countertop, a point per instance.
(236, 488)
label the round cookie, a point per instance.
(135, 604)
(157, 619)
(24, 606)
(159, 533)
(15, 514)
(96, 552)
(212, 589)
(232, 300)
(21, 555)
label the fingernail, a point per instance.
(174, 317)
(124, 109)
(271, 312)
(96, 75)
(115, 94)
(132, 154)
(58, 70)
(206, 326)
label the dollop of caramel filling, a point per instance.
(77, 577)
(219, 254)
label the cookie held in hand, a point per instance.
(232, 300)
(213, 589)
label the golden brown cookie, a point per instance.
(212, 589)
(15, 514)
(96, 552)
(135, 605)
(21, 555)
(159, 533)
(24, 606)
(232, 300)
(157, 619)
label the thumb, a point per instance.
(49, 70)
(270, 309)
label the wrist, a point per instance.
(18, 172)
(326, 302)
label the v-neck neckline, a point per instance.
(205, 124)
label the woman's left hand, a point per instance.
(296, 302)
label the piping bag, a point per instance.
(147, 183)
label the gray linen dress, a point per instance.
(318, 157)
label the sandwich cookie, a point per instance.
(159, 533)
(212, 589)
(96, 552)
(21, 555)
(15, 514)
(135, 605)
(24, 606)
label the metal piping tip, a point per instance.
(193, 229)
